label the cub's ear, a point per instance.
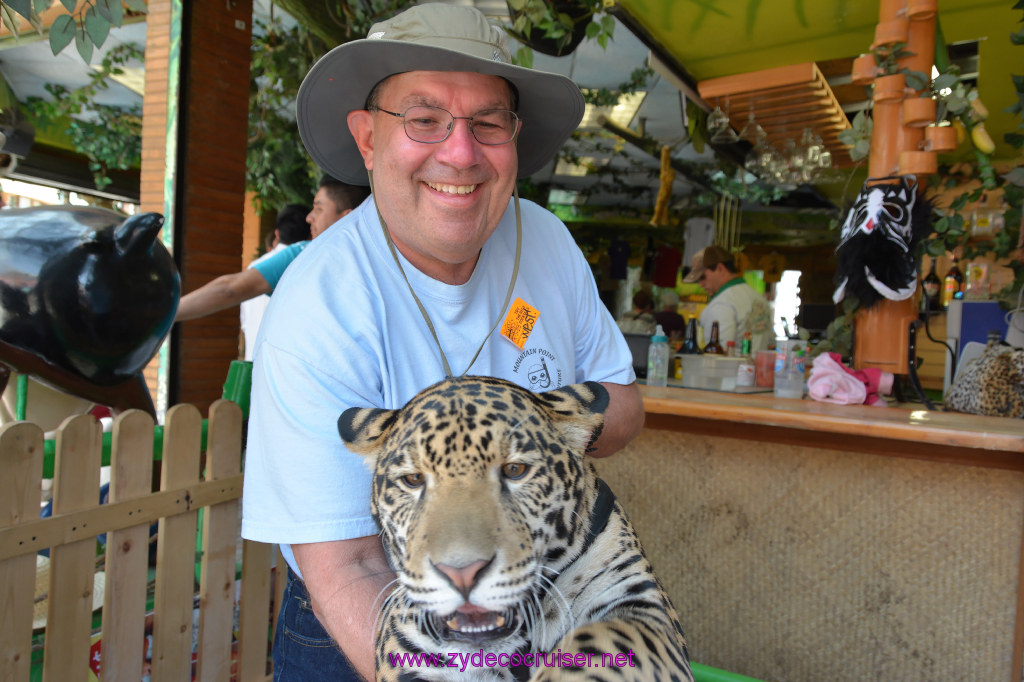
(578, 410)
(361, 427)
(587, 398)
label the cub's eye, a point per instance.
(413, 480)
(514, 470)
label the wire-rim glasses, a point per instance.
(434, 124)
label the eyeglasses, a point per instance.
(433, 124)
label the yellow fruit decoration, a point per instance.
(979, 109)
(982, 140)
(668, 175)
(961, 131)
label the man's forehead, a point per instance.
(429, 85)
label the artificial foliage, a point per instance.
(952, 224)
(86, 23)
(109, 136)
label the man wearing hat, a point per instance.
(734, 304)
(412, 286)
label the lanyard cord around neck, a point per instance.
(423, 310)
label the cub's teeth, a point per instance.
(499, 622)
(452, 623)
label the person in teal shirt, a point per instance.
(334, 200)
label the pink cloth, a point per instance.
(832, 382)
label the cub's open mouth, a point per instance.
(473, 624)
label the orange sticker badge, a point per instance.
(519, 322)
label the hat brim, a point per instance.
(694, 275)
(550, 105)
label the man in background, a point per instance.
(291, 227)
(733, 304)
(672, 323)
(333, 201)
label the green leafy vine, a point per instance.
(87, 23)
(109, 136)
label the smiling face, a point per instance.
(441, 201)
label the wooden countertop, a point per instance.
(894, 431)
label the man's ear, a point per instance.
(360, 123)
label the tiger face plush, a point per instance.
(506, 545)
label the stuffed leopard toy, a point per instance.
(514, 561)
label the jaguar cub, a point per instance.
(514, 561)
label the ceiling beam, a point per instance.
(652, 147)
(69, 171)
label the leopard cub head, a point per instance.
(482, 494)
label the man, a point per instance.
(672, 323)
(291, 227)
(734, 304)
(334, 200)
(413, 285)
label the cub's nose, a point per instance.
(464, 578)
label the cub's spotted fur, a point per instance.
(503, 541)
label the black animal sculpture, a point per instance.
(86, 297)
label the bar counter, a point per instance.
(805, 541)
(905, 431)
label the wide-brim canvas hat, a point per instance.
(430, 37)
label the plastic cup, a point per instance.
(764, 368)
(789, 369)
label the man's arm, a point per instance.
(623, 419)
(347, 581)
(223, 292)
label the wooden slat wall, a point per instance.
(211, 180)
(211, 186)
(214, 133)
(154, 130)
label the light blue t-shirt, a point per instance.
(273, 268)
(342, 330)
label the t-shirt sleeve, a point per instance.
(273, 268)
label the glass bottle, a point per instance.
(932, 290)
(952, 284)
(657, 359)
(730, 349)
(713, 346)
(690, 345)
(746, 371)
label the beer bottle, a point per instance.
(952, 285)
(932, 289)
(690, 345)
(713, 346)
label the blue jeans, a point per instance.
(303, 651)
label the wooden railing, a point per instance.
(192, 487)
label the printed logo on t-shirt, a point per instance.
(538, 370)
